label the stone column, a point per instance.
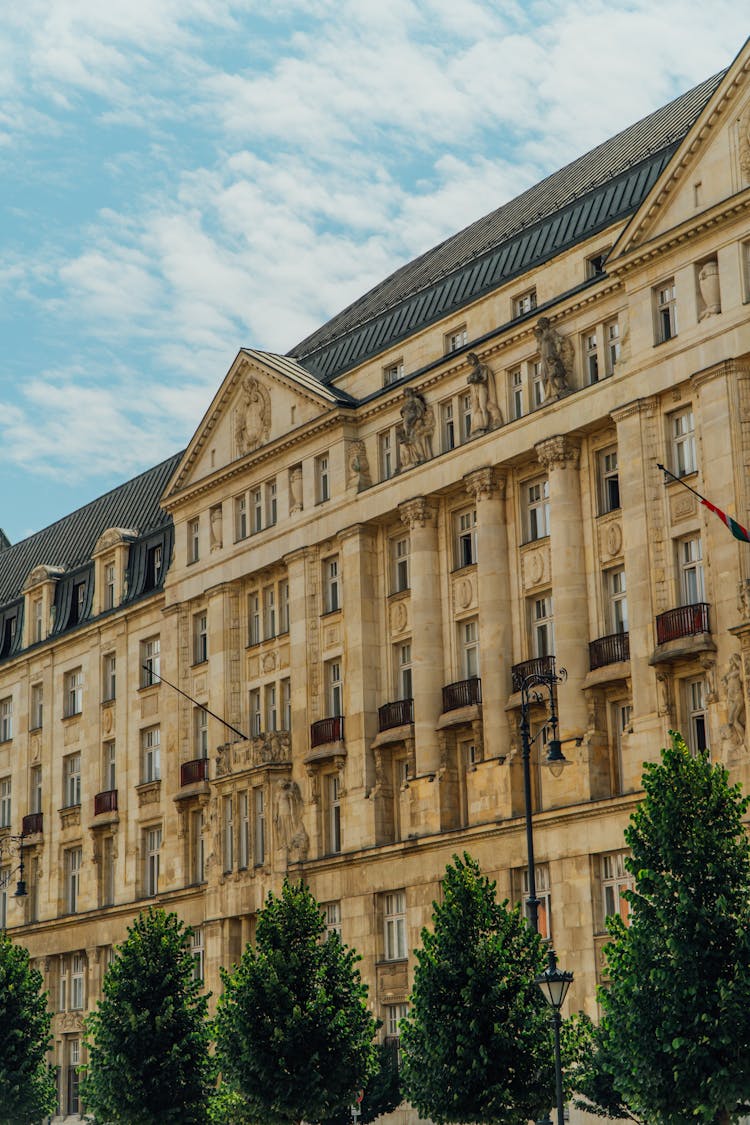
(420, 516)
(298, 651)
(561, 458)
(487, 488)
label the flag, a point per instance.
(737, 530)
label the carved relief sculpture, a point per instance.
(252, 419)
(216, 530)
(743, 600)
(733, 733)
(357, 466)
(295, 489)
(416, 429)
(485, 410)
(556, 356)
(291, 834)
(708, 285)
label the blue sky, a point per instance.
(181, 178)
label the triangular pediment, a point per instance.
(710, 166)
(264, 397)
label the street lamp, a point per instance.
(6, 847)
(555, 983)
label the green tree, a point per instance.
(27, 1086)
(676, 1025)
(477, 1044)
(294, 1036)
(382, 1091)
(148, 1037)
(588, 1078)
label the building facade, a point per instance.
(296, 647)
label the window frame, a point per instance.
(608, 479)
(536, 509)
(665, 310)
(395, 943)
(73, 685)
(150, 754)
(150, 654)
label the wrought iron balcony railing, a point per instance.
(396, 714)
(196, 770)
(32, 823)
(539, 666)
(462, 694)
(105, 802)
(609, 650)
(684, 621)
(327, 730)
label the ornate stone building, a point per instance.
(365, 545)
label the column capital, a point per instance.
(419, 512)
(355, 530)
(558, 452)
(645, 406)
(485, 483)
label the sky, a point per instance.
(183, 178)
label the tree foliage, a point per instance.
(477, 1043)
(148, 1037)
(294, 1036)
(382, 1091)
(588, 1078)
(27, 1087)
(676, 1026)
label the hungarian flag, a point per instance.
(737, 530)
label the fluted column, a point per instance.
(487, 488)
(420, 516)
(561, 458)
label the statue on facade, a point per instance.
(357, 466)
(295, 489)
(743, 601)
(555, 354)
(416, 429)
(485, 410)
(252, 420)
(215, 528)
(735, 696)
(290, 830)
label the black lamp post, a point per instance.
(555, 983)
(5, 845)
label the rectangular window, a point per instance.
(286, 704)
(109, 766)
(272, 708)
(692, 586)
(253, 618)
(322, 479)
(269, 612)
(541, 876)
(256, 510)
(109, 585)
(615, 881)
(35, 795)
(73, 692)
(259, 826)
(77, 978)
(469, 638)
(542, 626)
(682, 429)
(464, 403)
(38, 619)
(595, 264)
(36, 715)
(256, 718)
(335, 688)
(456, 339)
(240, 517)
(108, 677)
(150, 661)
(524, 303)
(394, 923)
(666, 311)
(393, 372)
(200, 637)
(332, 917)
(516, 393)
(617, 600)
(609, 480)
(388, 460)
(271, 502)
(403, 671)
(447, 426)
(108, 871)
(5, 803)
(695, 692)
(591, 357)
(228, 823)
(332, 813)
(284, 606)
(152, 840)
(72, 779)
(193, 534)
(244, 826)
(6, 719)
(331, 587)
(537, 384)
(200, 732)
(537, 510)
(612, 345)
(399, 550)
(465, 537)
(197, 847)
(198, 952)
(72, 865)
(151, 752)
(73, 1053)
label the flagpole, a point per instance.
(679, 480)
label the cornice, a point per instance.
(646, 406)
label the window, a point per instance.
(465, 537)
(447, 426)
(335, 687)
(5, 803)
(403, 671)
(331, 588)
(193, 534)
(332, 813)
(36, 710)
(695, 693)
(72, 1061)
(259, 826)
(109, 585)
(240, 517)
(692, 587)
(394, 925)
(109, 766)
(284, 606)
(682, 429)
(153, 566)
(609, 480)
(150, 661)
(72, 780)
(537, 384)
(537, 510)
(244, 826)
(286, 704)
(394, 1013)
(77, 603)
(107, 871)
(200, 732)
(541, 875)
(228, 835)
(108, 677)
(271, 502)
(253, 618)
(595, 264)
(35, 795)
(591, 357)
(464, 403)
(399, 550)
(388, 450)
(617, 602)
(255, 713)
(468, 632)
(332, 917)
(256, 510)
(612, 345)
(666, 312)
(272, 710)
(524, 303)
(615, 880)
(197, 847)
(152, 841)
(37, 618)
(198, 952)
(72, 865)
(73, 692)
(200, 637)
(393, 372)
(269, 612)
(77, 979)
(456, 339)
(542, 626)
(151, 749)
(516, 393)
(6, 719)
(322, 479)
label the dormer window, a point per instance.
(393, 372)
(524, 303)
(456, 339)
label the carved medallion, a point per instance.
(464, 593)
(269, 661)
(399, 617)
(614, 539)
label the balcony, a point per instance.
(609, 650)
(327, 730)
(539, 666)
(105, 802)
(462, 694)
(32, 824)
(684, 621)
(194, 771)
(396, 714)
